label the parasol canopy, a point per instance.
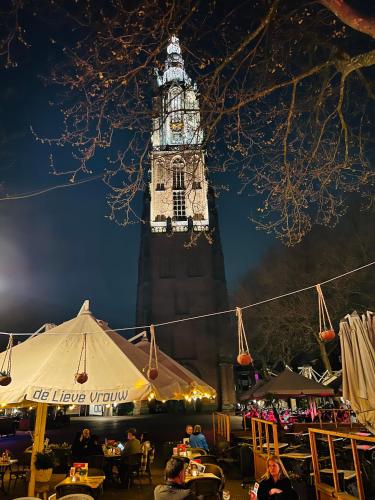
(291, 384)
(357, 339)
(198, 388)
(43, 368)
(247, 395)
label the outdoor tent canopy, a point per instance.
(247, 395)
(44, 367)
(291, 384)
(43, 370)
(198, 388)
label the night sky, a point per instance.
(59, 248)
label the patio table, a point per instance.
(204, 475)
(272, 445)
(93, 482)
(296, 455)
(348, 474)
(362, 447)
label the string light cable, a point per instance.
(32, 194)
(208, 315)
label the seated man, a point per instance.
(130, 455)
(174, 486)
(188, 431)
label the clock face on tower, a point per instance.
(176, 126)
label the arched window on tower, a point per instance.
(178, 171)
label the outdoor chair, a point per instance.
(77, 496)
(134, 469)
(207, 488)
(208, 459)
(246, 464)
(20, 470)
(217, 471)
(148, 456)
(229, 458)
(327, 478)
(70, 489)
(199, 450)
(129, 470)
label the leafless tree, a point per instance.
(286, 94)
(281, 329)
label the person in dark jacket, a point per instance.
(275, 484)
(197, 439)
(130, 457)
(82, 444)
(174, 486)
(188, 431)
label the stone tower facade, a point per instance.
(176, 279)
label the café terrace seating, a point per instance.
(70, 489)
(208, 459)
(208, 488)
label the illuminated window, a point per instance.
(178, 174)
(179, 209)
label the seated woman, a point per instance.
(197, 439)
(275, 484)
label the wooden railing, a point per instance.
(265, 443)
(221, 427)
(324, 491)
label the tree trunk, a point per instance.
(324, 356)
(350, 16)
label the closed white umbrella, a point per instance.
(357, 338)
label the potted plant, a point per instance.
(43, 467)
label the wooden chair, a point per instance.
(73, 489)
(208, 459)
(20, 470)
(201, 451)
(208, 488)
(77, 496)
(217, 471)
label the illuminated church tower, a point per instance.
(177, 280)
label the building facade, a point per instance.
(181, 266)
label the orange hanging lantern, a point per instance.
(5, 378)
(326, 331)
(152, 373)
(82, 377)
(244, 357)
(153, 369)
(327, 335)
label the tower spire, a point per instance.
(178, 186)
(174, 70)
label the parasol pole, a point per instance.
(38, 445)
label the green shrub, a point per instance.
(44, 461)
